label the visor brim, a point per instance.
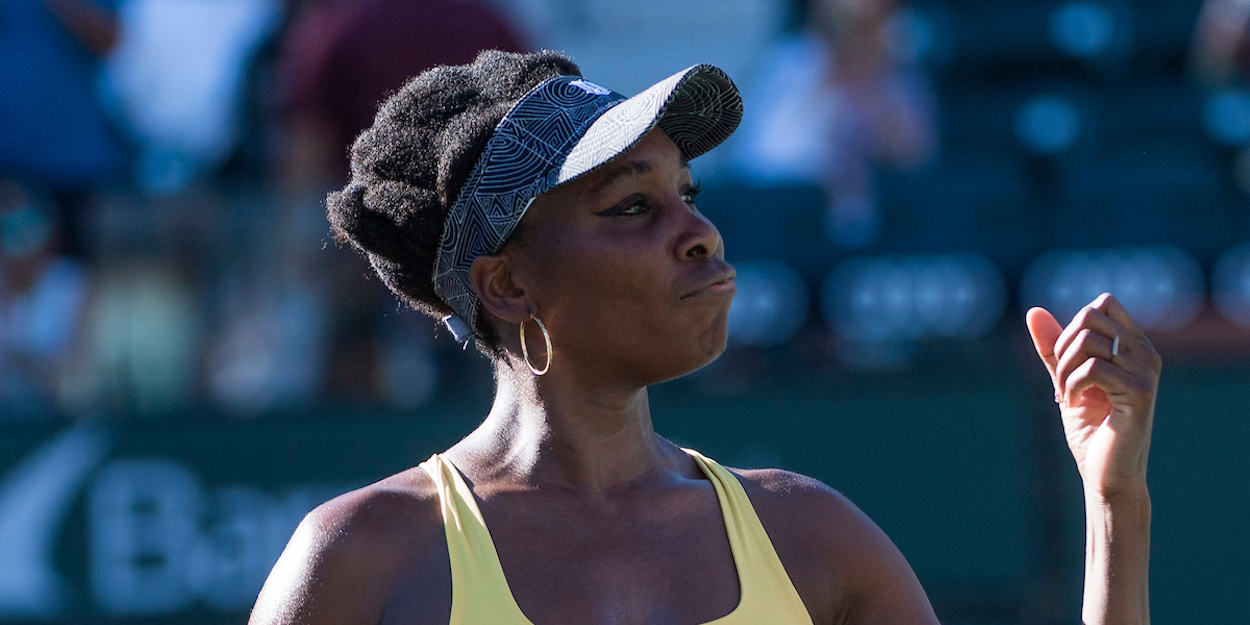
(698, 108)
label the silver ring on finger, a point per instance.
(1115, 346)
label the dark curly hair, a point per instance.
(407, 169)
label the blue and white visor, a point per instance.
(562, 129)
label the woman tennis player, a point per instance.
(552, 222)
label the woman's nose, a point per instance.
(699, 238)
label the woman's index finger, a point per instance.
(1110, 306)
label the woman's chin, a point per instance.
(708, 346)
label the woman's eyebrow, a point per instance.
(631, 168)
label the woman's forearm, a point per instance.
(1117, 558)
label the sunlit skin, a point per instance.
(615, 267)
(596, 518)
(1107, 404)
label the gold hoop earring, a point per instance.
(525, 350)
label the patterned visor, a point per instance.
(564, 128)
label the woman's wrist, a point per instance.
(1126, 498)
(1117, 558)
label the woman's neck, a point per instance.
(558, 430)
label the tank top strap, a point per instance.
(480, 592)
(768, 595)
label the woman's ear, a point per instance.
(491, 277)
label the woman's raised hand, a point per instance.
(1105, 389)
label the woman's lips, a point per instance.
(722, 285)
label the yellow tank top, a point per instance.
(480, 594)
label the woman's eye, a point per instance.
(689, 195)
(636, 205)
(636, 208)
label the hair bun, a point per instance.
(408, 167)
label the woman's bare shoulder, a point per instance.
(403, 505)
(804, 508)
(833, 552)
(349, 556)
(400, 512)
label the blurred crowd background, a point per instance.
(188, 362)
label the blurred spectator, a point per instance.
(142, 335)
(342, 58)
(177, 78)
(42, 294)
(835, 101)
(339, 60)
(1221, 52)
(270, 350)
(1220, 61)
(53, 131)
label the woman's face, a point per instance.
(629, 278)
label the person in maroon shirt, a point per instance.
(342, 57)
